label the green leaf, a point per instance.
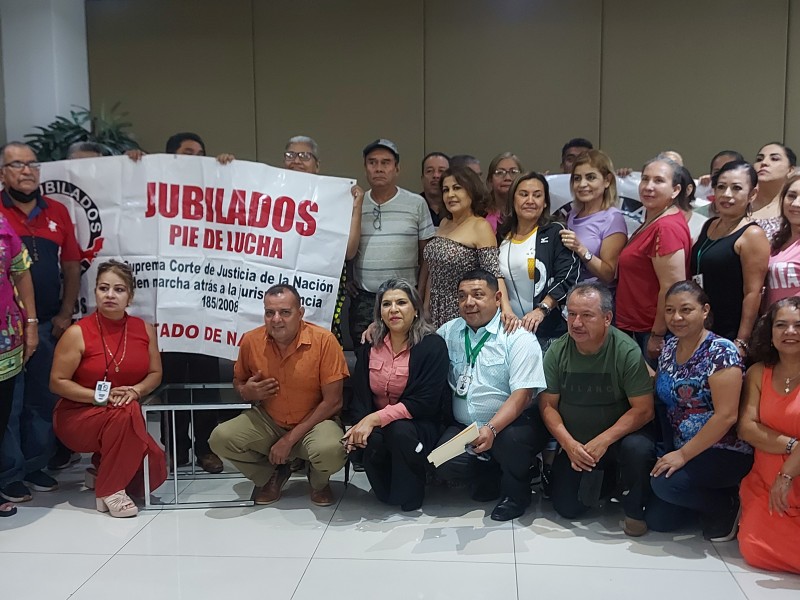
(103, 127)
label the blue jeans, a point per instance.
(29, 439)
(703, 487)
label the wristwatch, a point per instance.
(588, 256)
(544, 308)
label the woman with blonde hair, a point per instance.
(596, 229)
(399, 394)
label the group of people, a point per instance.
(616, 353)
(39, 283)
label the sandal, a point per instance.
(89, 478)
(7, 509)
(118, 505)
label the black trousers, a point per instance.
(6, 395)
(182, 367)
(396, 471)
(627, 461)
(361, 313)
(511, 457)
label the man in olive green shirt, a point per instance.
(598, 404)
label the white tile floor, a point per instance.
(58, 547)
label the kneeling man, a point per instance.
(494, 375)
(292, 371)
(598, 403)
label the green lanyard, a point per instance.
(706, 245)
(472, 354)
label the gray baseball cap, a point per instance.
(383, 143)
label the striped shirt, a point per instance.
(390, 236)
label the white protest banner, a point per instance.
(206, 240)
(628, 192)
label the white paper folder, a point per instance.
(453, 447)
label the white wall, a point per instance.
(44, 62)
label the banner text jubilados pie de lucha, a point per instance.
(229, 207)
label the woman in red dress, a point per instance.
(769, 419)
(103, 365)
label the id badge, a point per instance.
(101, 392)
(462, 385)
(698, 279)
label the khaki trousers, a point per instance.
(245, 442)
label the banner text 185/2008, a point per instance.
(225, 304)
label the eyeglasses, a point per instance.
(376, 222)
(289, 156)
(18, 165)
(504, 172)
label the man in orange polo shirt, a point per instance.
(292, 371)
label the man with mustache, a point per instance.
(47, 231)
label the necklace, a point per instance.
(647, 224)
(708, 242)
(727, 230)
(123, 342)
(531, 264)
(694, 347)
(788, 381)
(32, 249)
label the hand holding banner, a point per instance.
(206, 240)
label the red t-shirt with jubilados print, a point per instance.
(637, 289)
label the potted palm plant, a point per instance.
(108, 129)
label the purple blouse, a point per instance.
(593, 229)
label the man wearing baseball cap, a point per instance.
(395, 226)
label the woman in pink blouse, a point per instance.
(399, 392)
(783, 278)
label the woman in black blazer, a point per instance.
(399, 393)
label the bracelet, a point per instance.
(658, 335)
(790, 445)
(138, 395)
(741, 343)
(492, 429)
(785, 476)
(31, 320)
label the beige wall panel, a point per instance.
(182, 65)
(692, 76)
(792, 125)
(518, 76)
(344, 73)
